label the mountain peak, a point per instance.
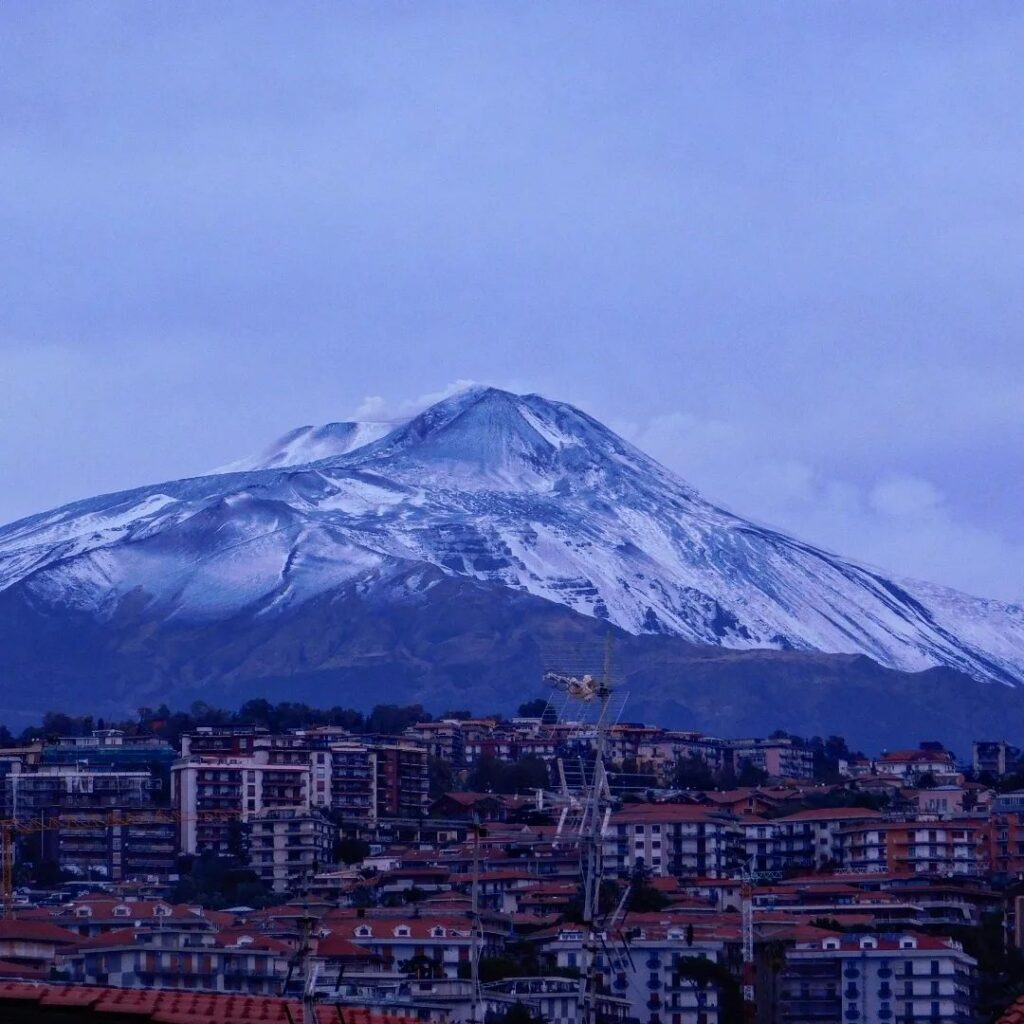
(489, 438)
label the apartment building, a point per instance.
(402, 780)
(207, 961)
(111, 749)
(957, 846)
(648, 972)
(288, 847)
(808, 840)
(912, 764)
(1005, 840)
(683, 840)
(47, 790)
(761, 843)
(444, 943)
(245, 786)
(364, 782)
(780, 758)
(866, 979)
(89, 845)
(993, 757)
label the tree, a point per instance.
(420, 966)
(441, 775)
(533, 708)
(692, 772)
(751, 775)
(218, 882)
(608, 896)
(493, 775)
(517, 1013)
(643, 897)
(351, 851)
(392, 720)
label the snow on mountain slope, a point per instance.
(308, 444)
(527, 493)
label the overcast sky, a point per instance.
(779, 245)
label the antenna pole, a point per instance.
(593, 843)
(474, 935)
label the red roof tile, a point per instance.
(36, 931)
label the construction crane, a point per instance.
(12, 828)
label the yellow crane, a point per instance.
(11, 828)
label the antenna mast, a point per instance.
(595, 806)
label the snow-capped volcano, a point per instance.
(516, 491)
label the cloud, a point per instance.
(377, 408)
(905, 524)
(905, 497)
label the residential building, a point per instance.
(683, 840)
(402, 780)
(1005, 841)
(51, 789)
(910, 765)
(780, 757)
(438, 942)
(808, 840)
(209, 961)
(868, 979)
(761, 846)
(33, 943)
(135, 844)
(228, 786)
(288, 847)
(951, 847)
(111, 749)
(649, 971)
(993, 757)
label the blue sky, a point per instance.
(780, 245)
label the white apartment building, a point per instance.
(868, 979)
(229, 786)
(683, 840)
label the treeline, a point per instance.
(384, 719)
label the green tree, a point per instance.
(533, 708)
(750, 775)
(643, 897)
(392, 720)
(441, 777)
(692, 772)
(351, 851)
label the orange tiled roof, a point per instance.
(37, 931)
(1013, 1014)
(166, 1007)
